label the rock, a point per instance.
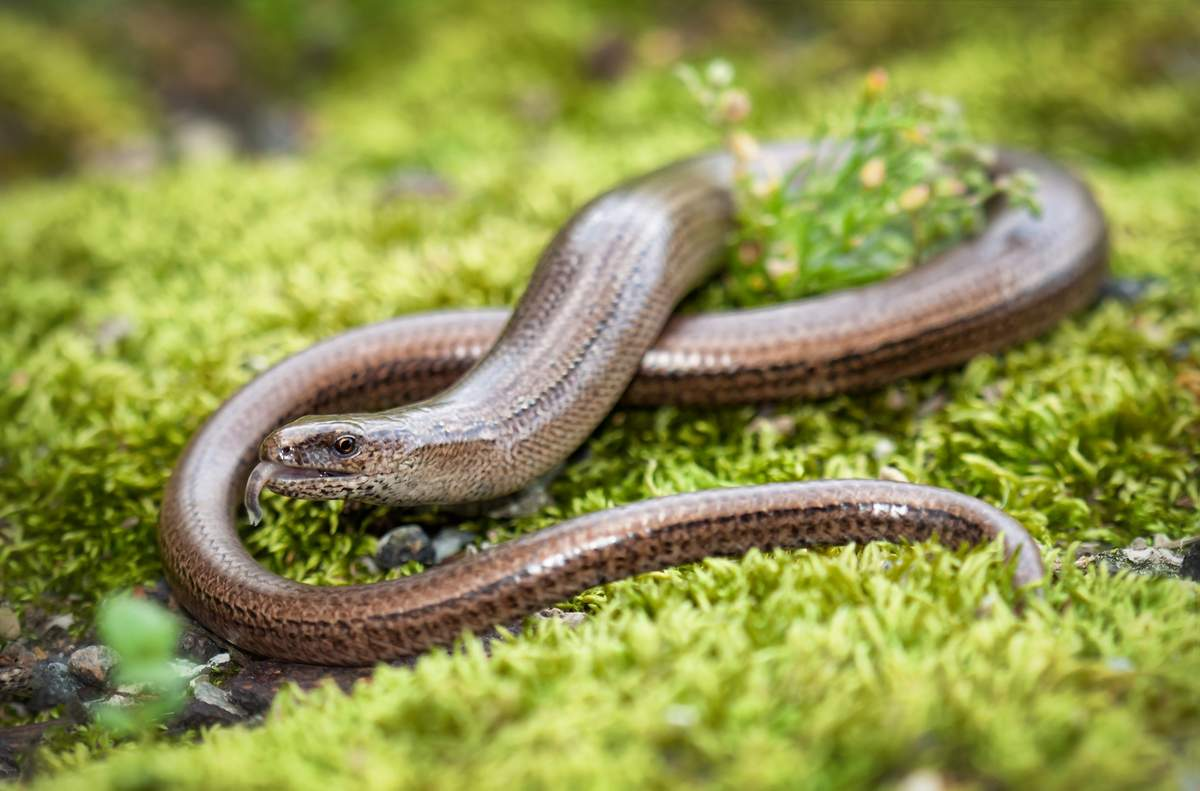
(896, 399)
(932, 405)
(277, 131)
(608, 58)
(413, 184)
(199, 139)
(198, 645)
(92, 664)
(890, 473)
(112, 331)
(571, 619)
(134, 157)
(1127, 289)
(10, 625)
(922, 780)
(402, 544)
(681, 715)
(783, 425)
(1120, 664)
(1143, 559)
(53, 686)
(60, 622)
(197, 714)
(205, 691)
(16, 683)
(255, 686)
(1190, 569)
(17, 743)
(450, 542)
(527, 502)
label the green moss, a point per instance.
(775, 671)
(130, 308)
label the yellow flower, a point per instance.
(876, 83)
(872, 173)
(780, 267)
(914, 197)
(748, 252)
(917, 135)
(951, 187)
(743, 145)
(733, 106)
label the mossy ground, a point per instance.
(132, 305)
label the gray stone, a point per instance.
(1190, 569)
(450, 542)
(404, 543)
(92, 664)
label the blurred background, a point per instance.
(131, 85)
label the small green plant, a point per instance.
(144, 636)
(907, 182)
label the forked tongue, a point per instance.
(259, 477)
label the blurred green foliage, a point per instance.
(143, 635)
(55, 103)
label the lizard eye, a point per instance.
(345, 445)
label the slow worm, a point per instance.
(495, 400)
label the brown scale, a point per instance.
(552, 375)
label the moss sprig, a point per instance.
(904, 181)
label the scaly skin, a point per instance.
(589, 323)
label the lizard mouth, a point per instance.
(271, 472)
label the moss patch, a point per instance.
(131, 307)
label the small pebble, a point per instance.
(571, 619)
(922, 780)
(1190, 570)
(450, 542)
(896, 399)
(932, 405)
(1126, 289)
(1120, 664)
(277, 131)
(92, 664)
(60, 622)
(889, 473)
(112, 331)
(52, 685)
(10, 625)
(199, 139)
(402, 544)
(409, 184)
(366, 566)
(608, 58)
(783, 425)
(992, 394)
(526, 502)
(681, 715)
(207, 692)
